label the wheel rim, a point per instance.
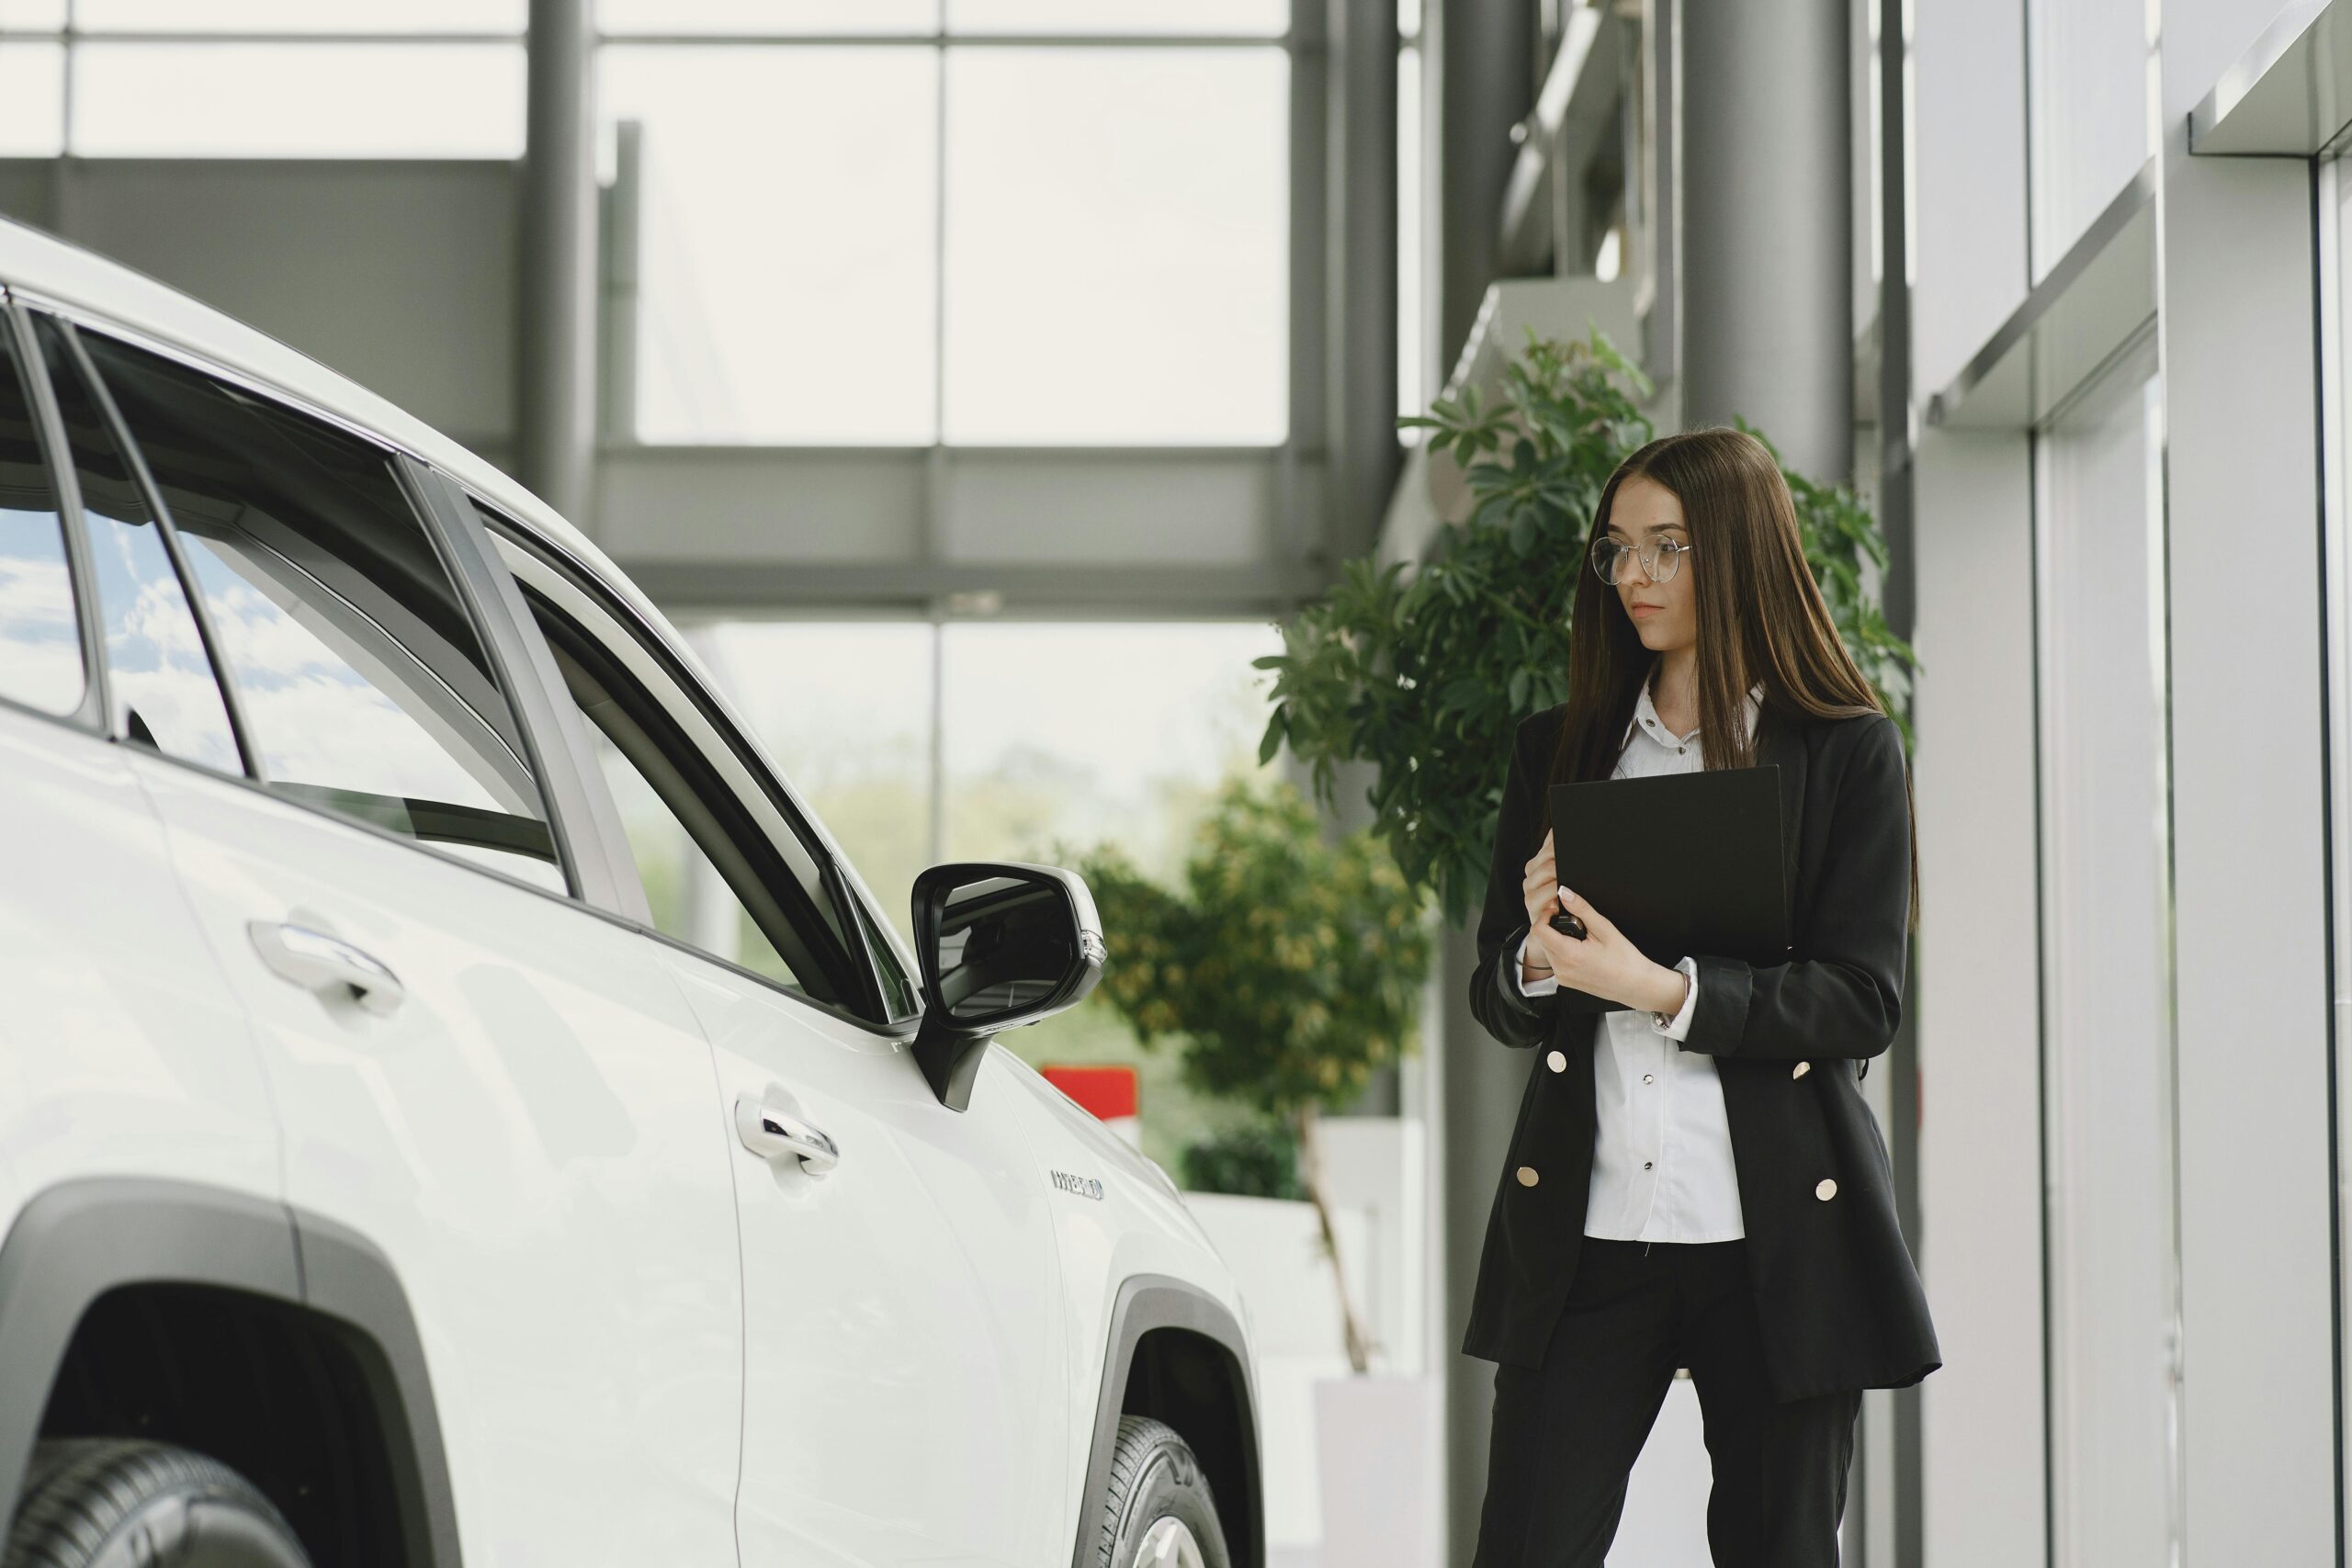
(1169, 1544)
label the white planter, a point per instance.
(1377, 1455)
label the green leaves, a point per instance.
(1291, 967)
(1426, 676)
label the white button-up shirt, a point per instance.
(1662, 1165)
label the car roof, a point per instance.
(42, 267)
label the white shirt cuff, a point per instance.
(1544, 987)
(1677, 1027)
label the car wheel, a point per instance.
(1157, 1511)
(115, 1502)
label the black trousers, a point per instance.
(1567, 1433)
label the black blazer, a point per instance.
(1836, 1296)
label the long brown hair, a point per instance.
(1761, 613)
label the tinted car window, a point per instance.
(363, 685)
(712, 879)
(40, 643)
(689, 896)
(160, 675)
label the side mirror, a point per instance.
(1002, 943)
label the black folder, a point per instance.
(1681, 863)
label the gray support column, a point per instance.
(556, 296)
(1303, 513)
(1362, 314)
(1484, 53)
(1766, 270)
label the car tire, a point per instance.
(1157, 1511)
(117, 1503)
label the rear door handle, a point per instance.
(327, 965)
(775, 1134)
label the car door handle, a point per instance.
(772, 1135)
(326, 964)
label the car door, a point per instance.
(903, 1319)
(486, 1081)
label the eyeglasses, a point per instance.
(1661, 558)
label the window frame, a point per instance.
(68, 332)
(95, 714)
(870, 1009)
(409, 473)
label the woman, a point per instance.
(1694, 1180)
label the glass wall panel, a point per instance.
(787, 241)
(1117, 245)
(2108, 1029)
(1093, 17)
(297, 100)
(770, 16)
(32, 15)
(32, 100)
(498, 18)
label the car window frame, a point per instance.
(200, 608)
(873, 1011)
(405, 467)
(94, 713)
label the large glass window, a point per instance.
(363, 685)
(780, 18)
(1264, 19)
(41, 637)
(158, 671)
(1115, 264)
(32, 100)
(787, 241)
(295, 100)
(301, 16)
(883, 235)
(262, 79)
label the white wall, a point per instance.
(2249, 877)
(1968, 173)
(1980, 1166)
(2244, 765)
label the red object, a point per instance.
(1103, 1092)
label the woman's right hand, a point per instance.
(1540, 891)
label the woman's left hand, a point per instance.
(1605, 964)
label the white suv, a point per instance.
(455, 1102)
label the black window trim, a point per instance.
(207, 635)
(21, 308)
(94, 713)
(587, 582)
(398, 471)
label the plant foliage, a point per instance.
(1425, 676)
(1292, 968)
